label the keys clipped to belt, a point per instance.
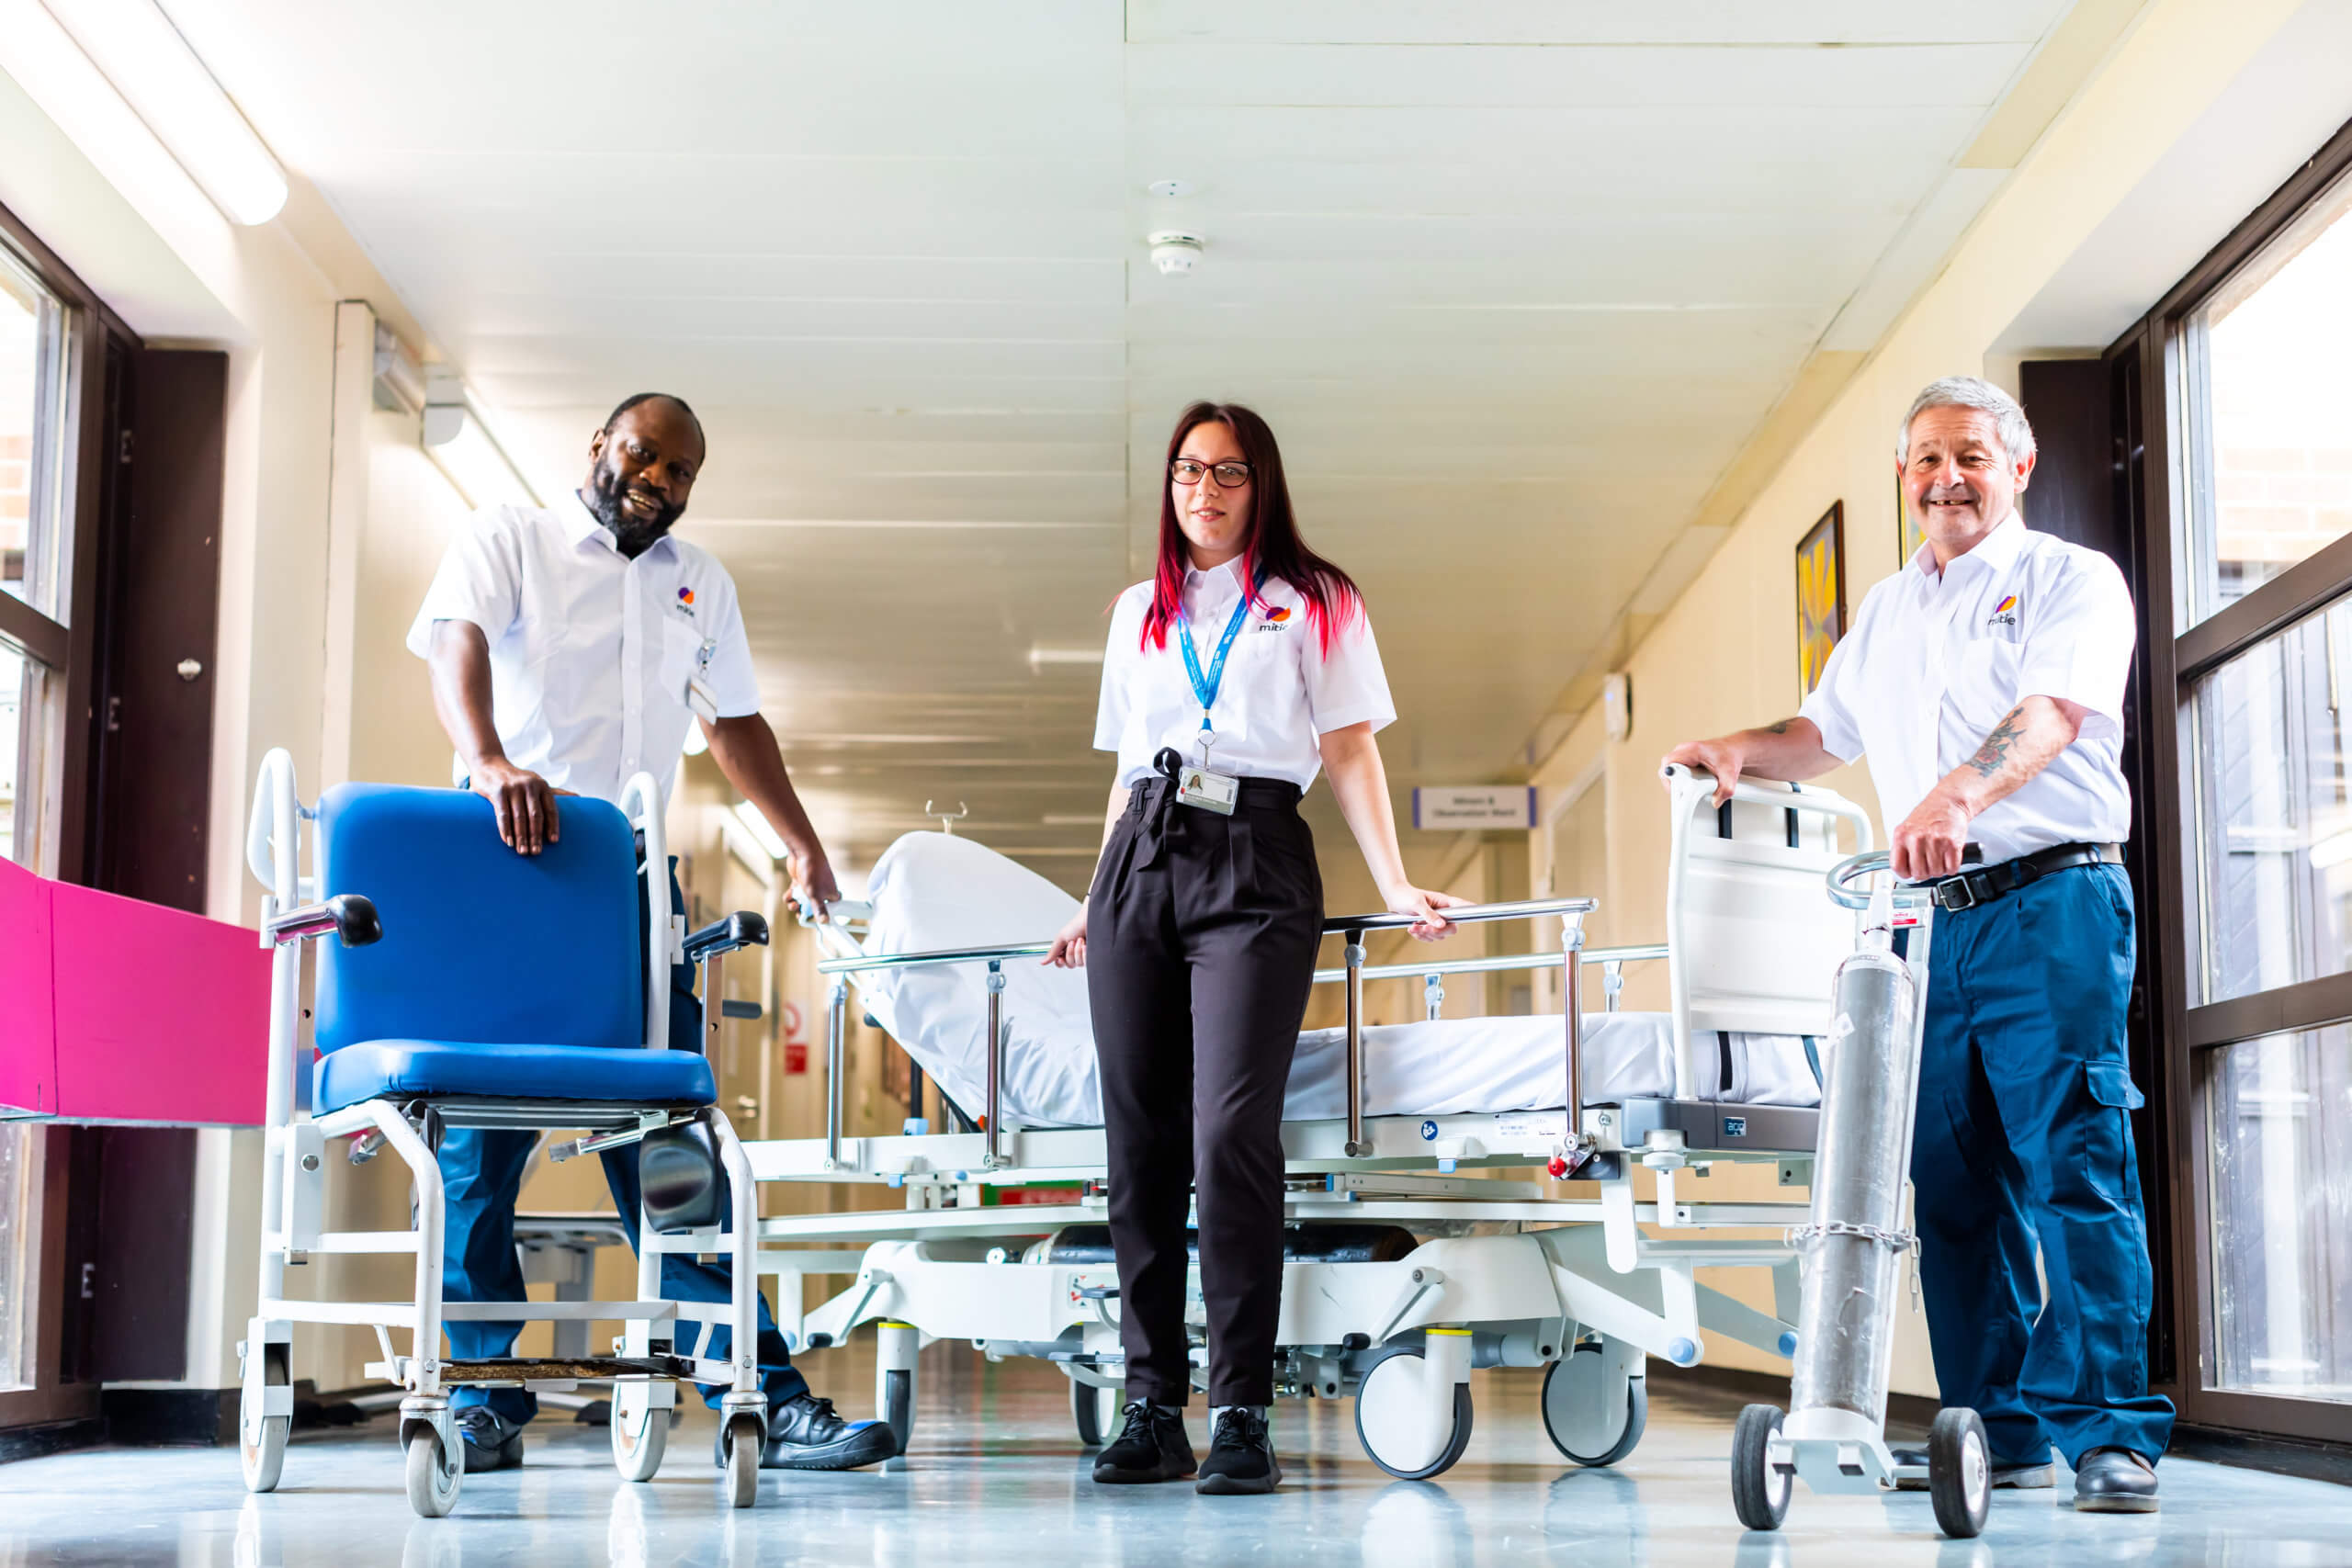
(1197, 783)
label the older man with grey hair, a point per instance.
(1986, 683)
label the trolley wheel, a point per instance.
(1759, 1492)
(1960, 1473)
(1392, 1421)
(264, 1457)
(746, 1436)
(640, 1432)
(1591, 1415)
(1097, 1412)
(433, 1473)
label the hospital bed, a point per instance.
(475, 988)
(1408, 1260)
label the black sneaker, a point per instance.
(491, 1441)
(805, 1434)
(1152, 1446)
(1241, 1457)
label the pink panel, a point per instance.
(27, 1029)
(161, 1016)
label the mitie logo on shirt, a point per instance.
(2004, 613)
(686, 603)
(1277, 619)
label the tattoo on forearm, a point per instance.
(1780, 727)
(1995, 753)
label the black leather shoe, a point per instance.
(1241, 1457)
(491, 1441)
(805, 1434)
(1912, 1467)
(1152, 1446)
(2115, 1481)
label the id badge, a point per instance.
(705, 702)
(1196, 786)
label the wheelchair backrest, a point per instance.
(481, 945)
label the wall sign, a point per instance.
(1472, 807)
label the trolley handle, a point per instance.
(1841, 877)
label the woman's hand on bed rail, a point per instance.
(1069, 943)
(1428, 924)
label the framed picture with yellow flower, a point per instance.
(1821, 595)
(1907, 537)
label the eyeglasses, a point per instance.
(1229, 476)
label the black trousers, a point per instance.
(1200, 952)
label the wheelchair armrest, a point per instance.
(350, 916)
(741, 928)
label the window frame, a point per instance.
(71, 649)
(2157, 370)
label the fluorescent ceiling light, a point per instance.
(757, 826)
(138, 50)
(455, 439)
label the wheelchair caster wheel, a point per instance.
(261, 1439)
(433, 1473)
(746, 1436)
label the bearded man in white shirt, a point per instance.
(571, 647)
(1986, 683)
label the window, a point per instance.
(2281, 1140)
(2233, 437)
(32, 449)
(2270, 410)
(2274, 809)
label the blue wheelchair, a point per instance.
(470, 987)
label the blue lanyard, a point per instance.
(1206, 687)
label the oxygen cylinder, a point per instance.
(1852, 1249)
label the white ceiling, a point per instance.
(1513, 281)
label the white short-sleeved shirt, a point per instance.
(1936, 661)
(1280, 695)
(591, 652)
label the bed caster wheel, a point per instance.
(1096, 1411)
(746, 1435)
(435, 1473)
(899, 1406)
(1759, 1489)
(1397, 1413)
(1594, 1410)
(640, 1433)
(261, 1439)
(1960, 1473)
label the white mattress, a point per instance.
(931, 890)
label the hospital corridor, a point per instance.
(942, 782)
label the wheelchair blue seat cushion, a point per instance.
(401, 1069)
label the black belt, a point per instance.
(1970, 888)
(1154, 800)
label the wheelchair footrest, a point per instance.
(561, 1369)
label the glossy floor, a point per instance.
(995, 1476)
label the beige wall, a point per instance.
(1725, 654)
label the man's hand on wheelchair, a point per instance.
(524, 802)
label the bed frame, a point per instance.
(1412, 1261)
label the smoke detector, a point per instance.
(1174, 252)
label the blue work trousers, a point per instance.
(482, 1173)
(2025, 1137)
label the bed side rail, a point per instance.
(1571, 913)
